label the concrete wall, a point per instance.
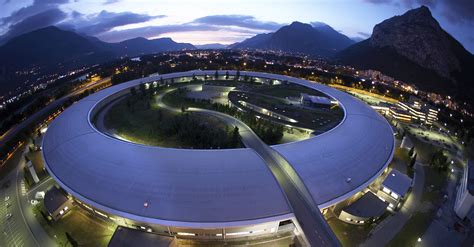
(352, 219)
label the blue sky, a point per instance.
(220, 21)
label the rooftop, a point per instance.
(368, 206)
(54, 199)
(180, 186)
(397, 182)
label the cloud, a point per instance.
(105, 21)
(364, 34)
(378, 1)
(35, 8)
(153, 31)
(245, 25)
(41, 20)
(459, 11)
(455, 11)
(111, 2)
(244, 21)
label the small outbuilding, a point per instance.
(394, 188)
(57, 203)
(366, 209)
(127, 237)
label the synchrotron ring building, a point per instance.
(210, 193)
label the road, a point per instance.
(316, 230)
(391, 226)
(13, 131)
(22, 229)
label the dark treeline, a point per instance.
(187, 129)
(268, 131)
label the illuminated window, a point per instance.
(394, 195)
(386, 190)
(61, 212)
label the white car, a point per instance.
(34, 202)
(7, 198)
(8, 216)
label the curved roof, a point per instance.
(210, 187)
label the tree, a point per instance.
(71, 240)
(440, 160)
(143, 89)
(162, 82)
(227, 75)
(183, 109)
(133, 91)
(413, 161)
(235, 137)
(237, 75)
(412, 150)
(216, 75)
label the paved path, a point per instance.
(441, 230)
(22, 229)
(388, 229)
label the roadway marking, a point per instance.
(38, 185)
(19, 204)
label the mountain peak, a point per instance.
(413, 47)
(418, 36)
(421, 11)
(297, 24)
(299, 37)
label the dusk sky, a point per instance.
(220, 21)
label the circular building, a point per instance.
(211, 193)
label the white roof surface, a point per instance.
(397, 182)
(210, 186)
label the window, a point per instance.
(394, 195)
(386, 190)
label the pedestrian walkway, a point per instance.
(389, 228)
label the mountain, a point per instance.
(51, 46)
(211, 46)
(54, 49)
(318, 40)
(414, 48)
(140, 46)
